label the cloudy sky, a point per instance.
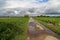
(21, 3)
(42, 4)
(29, 3)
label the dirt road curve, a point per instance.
(37, 31)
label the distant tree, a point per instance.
(26, 16)
(42, 15)
(38, 16)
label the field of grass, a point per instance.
(53, 23)
(13, 28)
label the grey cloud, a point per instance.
(2, 3)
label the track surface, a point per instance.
(37, 31)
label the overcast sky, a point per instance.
(29, 3)
(21, 3)
(43, 4)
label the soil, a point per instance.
(37, 31)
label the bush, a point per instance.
(9, 29)
(26, 16)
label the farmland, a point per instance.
(13, 28)
(53, 23)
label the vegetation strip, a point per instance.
(52, 23)
(13, 28)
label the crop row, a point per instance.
(13, 28)
(53, 23)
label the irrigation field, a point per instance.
(13, 28)
(53, 23)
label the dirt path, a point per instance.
(37, 31)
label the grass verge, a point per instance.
(52, 23)
(13, 28)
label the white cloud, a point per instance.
(50, 4)
(13, 4)
(22, 3)
(18, 3)
(30, 3)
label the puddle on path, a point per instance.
(41, 33)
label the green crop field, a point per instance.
(13, 28)
(53, 23)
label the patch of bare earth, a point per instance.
(38, 32)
